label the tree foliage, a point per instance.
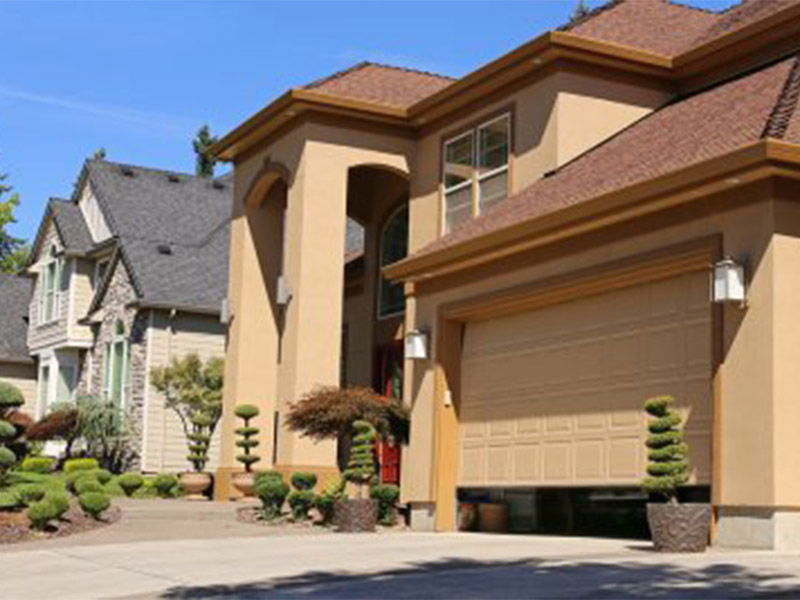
(204, 162)
(329, 413)
(13, 251)
(193, 391)
(581, 11)
(360, 469)
(668, 466)
(10, 453)
(246, 412)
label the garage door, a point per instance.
(554, 397)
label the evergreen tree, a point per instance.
(100, 154)
(13, 251)
(581, 10)
(204, 162)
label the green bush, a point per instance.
(10, 396)
(38, 464)
(102, 475)
(72, 479)
(668, 466)
(265, 475)
(9, 500)
(7, 458)
(165, 485)
(301, 501)
(387, 496)
(94, 504)
(60, 501)
(304, 481)
(272, 492)
(87, 484)
(30, 493)
(7, 431)
(80, 464)
(10, 399)
(247, 435)
(41, 513)
(130, 482)
(361, 466)
(325, 504)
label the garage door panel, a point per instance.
(554, 397)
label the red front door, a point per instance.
(390, 383)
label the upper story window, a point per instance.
(476, 171)
(117, 367)
(52, 283)
(394, 247)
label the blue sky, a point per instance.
(140, 77)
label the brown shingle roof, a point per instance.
(371, 82)
(658, 26)
(698, 128)
(746, 13)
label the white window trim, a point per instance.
(52, 259)
(477, 178)
(108, 369)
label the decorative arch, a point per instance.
(393, 246)
(269, 174)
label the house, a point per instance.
(542, 233)
(129, 273)
(17, 367)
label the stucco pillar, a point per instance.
(311, 342)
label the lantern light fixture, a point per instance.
(728, 282)
(417, 344)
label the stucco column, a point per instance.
(311, 342)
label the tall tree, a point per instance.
(581, 10)
(204, 161)
(13, 251)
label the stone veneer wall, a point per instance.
(119, 294)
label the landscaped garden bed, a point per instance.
(16, 527)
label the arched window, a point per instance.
(117, 367)
(394, 247)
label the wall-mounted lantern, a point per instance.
(728, 283)
(417, 344)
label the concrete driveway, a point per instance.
(253, 563)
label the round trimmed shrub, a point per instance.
(7, 458)
(102, 475)
(9, 500)
(41, 513)
(7, 430)
(246, 411)
(304, 481)
(87, 484)
(74, 477)
(271, 474)
(325, 504)
(60, 501)
(272, 492)
(10, 396)
(38, 464)
(165, 485)
(387, 495)
(30, 493)
(130, 482)
(301, 502)
(94, 504)
(80, 464)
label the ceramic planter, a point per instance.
(245, 483)
(679, 527)
(195, 485)
(356, 515)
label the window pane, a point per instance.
(394, 247)
(117, 359)
(458, 161)
(66, 382)
(458, 208)
(493, 189)
(44, 384)
(493, 145)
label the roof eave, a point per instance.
(170, 306)
(750, 163)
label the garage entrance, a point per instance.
(552, 398)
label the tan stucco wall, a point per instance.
(24, 378)
(748, 376)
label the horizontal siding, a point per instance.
(54, 332)
(164, 444)
(24, 378)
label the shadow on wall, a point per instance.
(456, 578)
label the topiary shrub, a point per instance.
(668, 466)
(87, 484)
(102, 475)
(361, 466)
(80, 464)
(271, 474)
(301, 501)
(272, 492)
(38, 464)
(30, 493)
(130, 482)
(246, 412)
(165, 485)
(304, 481)
(94, 504)
(199, 441)
(11, 398)
(9, 500)
(60, 501)
(41, 513)
(74, 477)
(387, 495)
(326, 501)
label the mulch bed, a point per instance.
(14, 526)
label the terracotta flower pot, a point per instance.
(355, 515)
(493, 518)
(245, 482)
(195, 485)
(679, 527)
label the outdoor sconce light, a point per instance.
(728, 283)
(417, 344)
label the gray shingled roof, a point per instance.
(173, 229)
(71, 225)
(15, 295)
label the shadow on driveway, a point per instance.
(521, 579)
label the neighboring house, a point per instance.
(561, 208)
(17, 367)
(128, 274)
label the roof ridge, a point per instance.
(598, 10)
(709, 11)
(366, 63)
(786, 104)
(150, 169)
